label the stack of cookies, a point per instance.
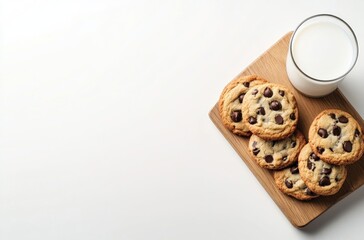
(268, 113)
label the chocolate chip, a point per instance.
(331, 149)
(281, 92)
(261, 111)
(268, 158)
(343, 119)
(324, 181)
(357, 133)
(292, 116)
(336, 130)
(284, 158)
(326, 171)
(294, 169)
(255, 91)
(348, 146)
(322, 133)
(320, 149)
(332, 115)
(236, 116)
(274, 143)
(267, 92)
(246, 84)
(256, 151)
(288, 183)
(314, 157)
(275, 105)
(337, 179)
(252, 120)
(254, 144)
(311, 165)
(309, 192)
(241, 97)
(279, 119)
(293, 144)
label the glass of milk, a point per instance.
(322, 51)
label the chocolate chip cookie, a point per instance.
(321, 177)
(276, 154)
(230, 103)
(289, 182)
(336, 137)
(270, 111)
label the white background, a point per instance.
(104, 132)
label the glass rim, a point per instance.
(355, 40)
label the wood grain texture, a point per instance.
(271, 66)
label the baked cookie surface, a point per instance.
(321, 177)
(336, 137)
(230, 103)
(270, 111)
(276, 154)
(289, 182)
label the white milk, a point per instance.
(324, 50)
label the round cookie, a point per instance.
(289, 182)
(276, 154)
(270, 111)
(319, 176)
(336, 137)
(231, 100)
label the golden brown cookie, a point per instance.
(289, 182)
(336, 137)
(231, 100)
(276, 154)
(270, 111)
(321, 177)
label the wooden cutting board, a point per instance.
(271, 66)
